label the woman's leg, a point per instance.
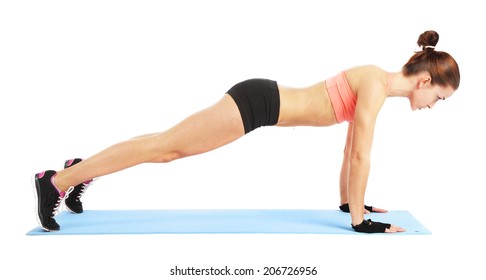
(203, 131)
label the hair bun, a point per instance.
(428, 39)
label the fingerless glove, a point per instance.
(368, 226)
(345, 208)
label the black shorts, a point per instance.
(258, 101)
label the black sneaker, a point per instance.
(49, 198)
(73, 201)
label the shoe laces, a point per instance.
(60, 199)
(84, 187)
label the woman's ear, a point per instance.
(425, 80)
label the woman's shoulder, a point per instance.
(366, 70)
(367, 76)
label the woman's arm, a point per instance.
(343, 178)
(370, 100)
(359, 155)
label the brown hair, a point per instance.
(442, 68)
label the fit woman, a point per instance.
(355, 96)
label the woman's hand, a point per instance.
(374, 209)
(369, 226)
(367, 210)
(394, 228)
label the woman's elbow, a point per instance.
(359, 158)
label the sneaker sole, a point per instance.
(33, 181)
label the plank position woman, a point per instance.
(355, 95)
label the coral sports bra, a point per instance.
(343, 99)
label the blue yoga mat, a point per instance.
(220, 221)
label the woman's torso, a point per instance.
(312, 106)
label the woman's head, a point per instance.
(441, 67)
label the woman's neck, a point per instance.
(401, 86)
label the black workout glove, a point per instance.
(345, 208)
(368, 226)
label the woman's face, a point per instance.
(426, 95)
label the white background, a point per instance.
(78, 76)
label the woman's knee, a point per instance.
(167, 157)
(158, 149)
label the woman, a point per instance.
(355, 95)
